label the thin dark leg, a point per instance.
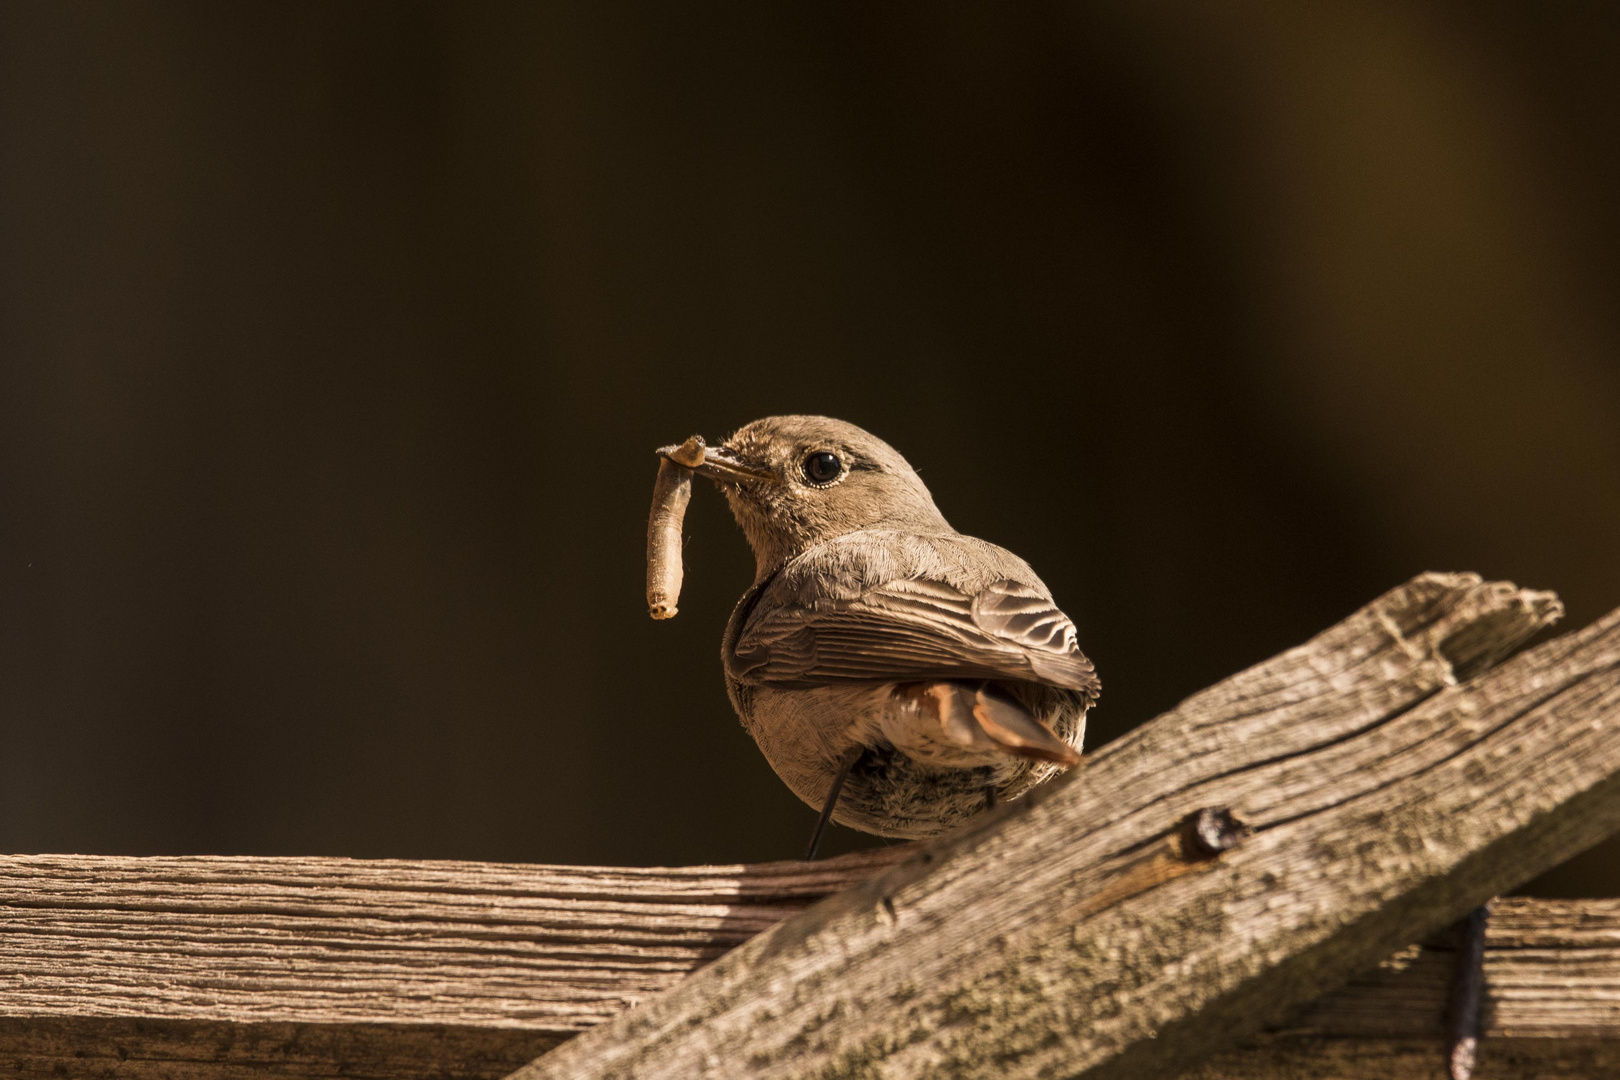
(990, 799)
(832, 800)
(1467, 994)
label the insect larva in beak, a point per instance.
(670, 496)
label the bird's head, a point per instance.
(797, 481)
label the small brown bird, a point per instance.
(896, 673)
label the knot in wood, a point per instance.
(1211, 831)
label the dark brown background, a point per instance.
(336, 338)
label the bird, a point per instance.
(899, 675)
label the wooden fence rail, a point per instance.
(228, 969)
(1388, 778)
(236, 968)
(317, 967)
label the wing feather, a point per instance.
(914, 628)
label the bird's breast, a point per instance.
(805, 733)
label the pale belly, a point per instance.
(914, 781)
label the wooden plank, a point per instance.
(310, 967)
(1078, 932)
(1552, 982)
(1409, 1059)
(232, 969)
(319, 967)
(1552, 968)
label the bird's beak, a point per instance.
(718, 463)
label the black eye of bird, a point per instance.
(822, 467)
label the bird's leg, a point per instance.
(832, 799)
(990, 799)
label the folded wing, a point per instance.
(914, 630)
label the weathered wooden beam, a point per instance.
(1079, 932)
(241, 969)
(227, 968)
(230, 968)
(1552, 989)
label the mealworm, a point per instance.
(670, 496)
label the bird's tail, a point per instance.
(1018, 731)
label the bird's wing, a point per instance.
(914, 629)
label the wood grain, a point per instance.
(231, 968)
(385, 968)
(1074, 934)
(1552, 980)
(228, 969)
